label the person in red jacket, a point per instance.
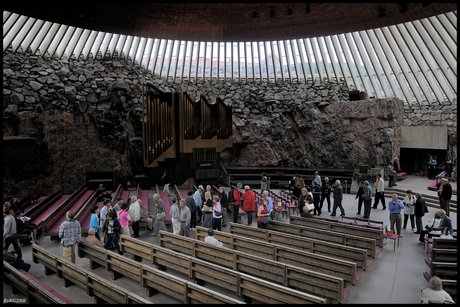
(236, 202)
(249, 203)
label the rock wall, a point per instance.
(86, 116)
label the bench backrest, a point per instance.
(444, 270)
(444, 243)
(328, 236)
(303, 259)
(215, 274)
(340, 227)
(443, 255)
(328, 286)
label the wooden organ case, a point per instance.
(180, 131)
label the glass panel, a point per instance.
(228, 60)
(256, 64)
(235, 60)
(250, 65)
(207, 61)
(193, 59)
(215, 60)
(270, 59)
(188, 57)
(242, 61)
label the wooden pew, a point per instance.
(442, 255)
(444, 243)
(152, 279)
(352, 254)
(204, 271)
(35, 292)
(302, 279)
(102, 290)
(319, 263)
(328, 236)
(444, 270)
(355, 230)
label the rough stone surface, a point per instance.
(86, 116)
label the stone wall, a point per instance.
(86, 116)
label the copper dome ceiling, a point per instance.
(228, 21)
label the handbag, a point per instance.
(308, 207)
(161, 216)
(266, 219)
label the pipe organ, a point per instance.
(175, 123)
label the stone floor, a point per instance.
(394, 277)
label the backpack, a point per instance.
(230, 197)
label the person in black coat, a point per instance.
(190, 203)
(359, 196)
(419, 211)
(325, 194)
(446, 195)
(112, 229)
(224, 204)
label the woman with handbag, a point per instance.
(123, 216)
(409, 209)
(159, 223)
(249, 203)
(207, 209)
(263, 215)
(216, 214)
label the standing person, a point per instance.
(175, 216)
(94, 222)
(359, 196)
(70, 234)
(318, 179)
(217, 213)
(379, 192)
(249, 203)
(190, 203)
(433, 224)
(112, 229)
(390, 173)
(325, 194)
(117, 206)
(207, 209)
(185, 217)
(263, 211)
(124, 217)
(159, 223)
(419, 211)
(236, 202)
(263, 182)
(135, 215)
(166, 182)
(10, 235)
(316, 191)
(198, 201)
(145, 215)
(448, 168)
(103, 212)
(299, 184)
(395, 207)
(409, 203)
(396, 170)
(446, 195)
(337, 194)
(367, 199)
(209, 190)
(224, 203)
(439, 187)
(432, 164)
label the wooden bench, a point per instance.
(35, 291)
(152, 279)
(303, 259)
(279, 273)
(444, 270)
(204, 271)
(355, 230)
(445, 243)
(442, 255)
(102, 290)
(328, 236)
(401, 176)
(352, 254)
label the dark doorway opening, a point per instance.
(415, 160)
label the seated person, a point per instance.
(91, 238)
(445, 225)
(210, 238)
(435, 293)
(13, 259)
(15, 204)
(24, 225)
(101, 193)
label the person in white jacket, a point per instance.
(409, 209)
(135, 214)
(435, 294)
(433, 224)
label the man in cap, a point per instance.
(367, 199)
(117, 206)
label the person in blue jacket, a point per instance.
(94, 223)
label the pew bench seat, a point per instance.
(47, 288)
(402, 175)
